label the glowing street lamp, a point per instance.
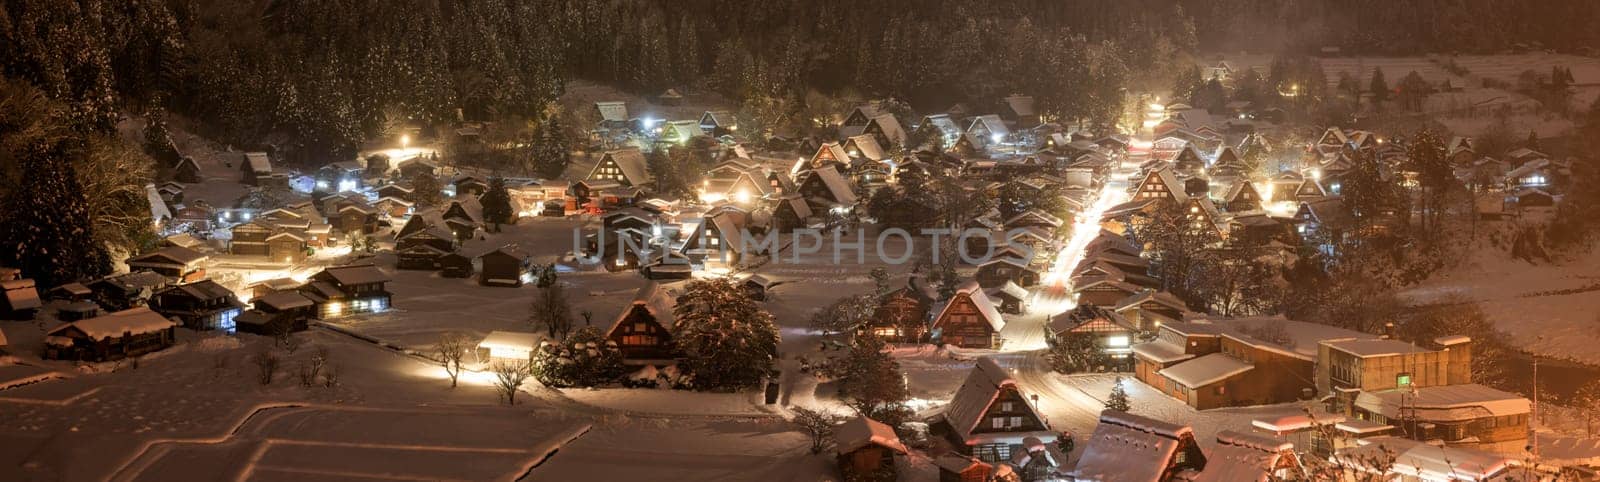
(405, 141)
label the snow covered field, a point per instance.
(1551, 309)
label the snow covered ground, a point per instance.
(1550, 309)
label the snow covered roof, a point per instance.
(612, 111)
(991, 122)
(259, 162)
(1427, 462)
(21, 294)
(284, 300)
(138, 320)
(1161, 351)
(866, 146)
(158, 206)
(356, 274)
(861, 431)
(510, 340)
(1366, 348)
(202, 290)
(1444, 403)
(1129, 448)
(1164, 298)
(985, 305)
(632, 164)
(976, 394)
(1240, 457)
(1206, 370)
(654, 298)
(1021, 105)
(1295, 421)
(836, 184)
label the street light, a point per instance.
(405, 141)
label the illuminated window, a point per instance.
(1120, 341)
(886, 331)
(1403, 380)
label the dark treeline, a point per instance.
(1395, 26)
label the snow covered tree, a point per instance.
(728, 341)
(880, 281)
(497, 204)
(47, 230)
(1073, 353)
(551, 147)
(870, 381)
(846, 315)
(1436, 177)
(1119, 398)
(426, 190)
(585, 359)
(551, 310)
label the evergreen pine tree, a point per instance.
(1119, 398)
(49, 233)
(497, 204)
(1379, 87)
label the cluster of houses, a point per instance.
(134, 313)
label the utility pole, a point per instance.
(1533, 434)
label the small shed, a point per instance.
(70, 292)
(21, 299)
(455, 265)
(757, 286)
(514, 346)
(866, 449)
(508, 266)
(78, 310)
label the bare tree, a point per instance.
(330, 375)
(452, 349)
(817, 425)
(551, 311)
(266, 363)
(508, 379)
(312, 367)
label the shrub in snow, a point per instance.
(266, 363)
(585, 360)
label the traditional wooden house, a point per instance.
(988, 130)
(1241, 196)
(902, 314)
(470, 186)
(999, 270)
(123, 291)
(940, 127)
(20, 299)
(203, 305)
(1467, 415)
(256, 166)
(968, 319)
(348, 290)
(357, 219)
(1127, 447)
(1148, 309)
(627, 167)
(287, 247)
(113, 336)
(1161, 184)
(507, 266)
(1010, 298)
(187, 171)
(396, 191)
(1019, 111)
(276, 312)
(250, 239)
(989, 416)
(643, 331)
(791, 212)
(826, 189)
(1109, 330)
(719, 123)
(183, 264)
(866, 449)
(1105, 292)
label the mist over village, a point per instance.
(800, 240)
